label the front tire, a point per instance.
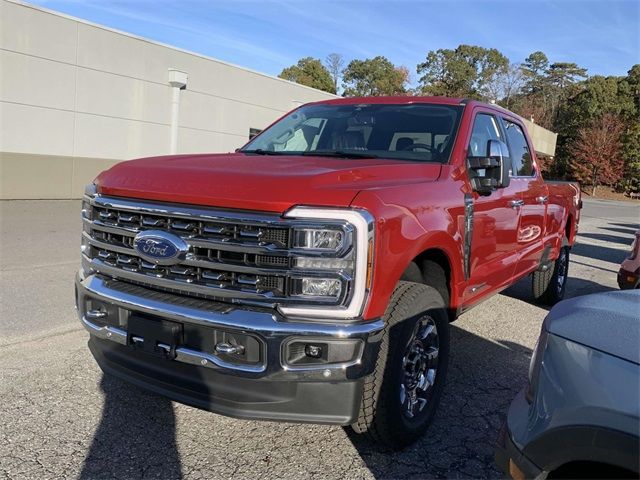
(401, 396)
(549, 286)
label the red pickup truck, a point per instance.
(311, 275)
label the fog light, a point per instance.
(313, 351)
(301, 352)
(84, 245)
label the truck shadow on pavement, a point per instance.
(599, 252)
(630, 226)
(483, 378)
(135, 438)
(575, 288)
(605, 237)
(623, 230)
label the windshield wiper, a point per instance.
(260, 151)
(314, 153)
(338, 153)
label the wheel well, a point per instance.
(585, 469)
(568, 228)
(432, 268)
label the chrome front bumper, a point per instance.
(273, 331)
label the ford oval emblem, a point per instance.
(159, 247)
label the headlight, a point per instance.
(86, 214)
(319, 239)
(89, 192)
(635, 246)
(535, 364)
(86, 209)
(332, 262)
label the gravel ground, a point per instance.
(61, 417)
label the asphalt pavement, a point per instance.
(61, 418)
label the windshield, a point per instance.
(417, 132)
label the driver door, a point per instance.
(493, 251)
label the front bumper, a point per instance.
(509, 458)
(271, 383)
(512, 461)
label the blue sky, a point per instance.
(268, 35)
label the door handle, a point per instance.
(516, 203)
(542, 199)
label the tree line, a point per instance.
(597, 117)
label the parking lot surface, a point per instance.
(61, 418)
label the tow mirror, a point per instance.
(500, 152)
(491, 171)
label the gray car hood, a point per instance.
(609, 322)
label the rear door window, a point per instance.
(521, 159)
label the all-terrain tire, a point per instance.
(549, 286)
(381, 417)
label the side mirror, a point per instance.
(500, 152)
(491, 171)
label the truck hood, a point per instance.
(257, 182)
(607, 321)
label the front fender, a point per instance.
(584, 408)
(404, 230)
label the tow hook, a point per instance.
(228, 349)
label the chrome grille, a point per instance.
(231, 255)
(188, 274)
(191, 227)
(202, 253)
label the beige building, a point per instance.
(75, 98)
(544, 141)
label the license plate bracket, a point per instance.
(153, 335)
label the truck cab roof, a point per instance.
(408, 100)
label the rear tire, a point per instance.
(549, 286)
(401, 396)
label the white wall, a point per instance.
(77, 97)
